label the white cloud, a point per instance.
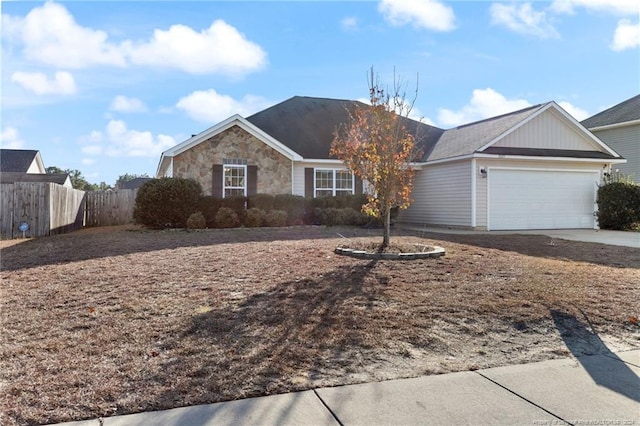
(428, 14)
(484, 103)
(125, 104)
(523, 19)
(40, 84)
(10, 139)
(578, 113)
(220, 48)
(119, 141)
(50, 35)
(349, 24)
(627, 36)
(616, 7)
(88, 161)
(209, 106)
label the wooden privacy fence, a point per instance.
(108, 208)
(47, 208)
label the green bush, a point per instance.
(261, 201)
(276, 218)
(619, 205)
(196, 221)
(292, 204)
(254, 218)
(237, 203)
(227, 218)
(166, 202)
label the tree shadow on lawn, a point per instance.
(605, 367)
(277, 341)
(89, 244)
(546, 247)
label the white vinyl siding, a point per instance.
(548, 131)
(298, 185)
(441, 196)
(626, 142)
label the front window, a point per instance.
(235, 180)
(330, 182)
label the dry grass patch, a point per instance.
(114, 320)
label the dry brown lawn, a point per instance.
(120, 320)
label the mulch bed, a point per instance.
(119, 320)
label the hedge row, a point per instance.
(178, 203)
(619, 205)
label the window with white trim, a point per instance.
(329, 182)
(234, 180)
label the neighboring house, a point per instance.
(21, 161)
(619, 127)
(134, 183)
(59, 178)
(25, 165)
(536, 168)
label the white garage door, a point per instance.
(530, 199)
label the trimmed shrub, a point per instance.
(237, 203)
(196, 221)
(209, 206)
(276, 218)
(261, 201)
(254, 218)
(227, 218)
(166, 202)
(619, 205)
(294, 205)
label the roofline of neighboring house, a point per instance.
(234, 120)
(615, 125)
(521, 157)
(566, 115)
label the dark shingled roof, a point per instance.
(135, 183)
(306, 125)
(16, 160)
(12, 177)
(542, 152)
(628, 110)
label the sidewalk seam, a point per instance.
(328, 408)
(524, 399)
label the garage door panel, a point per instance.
(532, 199)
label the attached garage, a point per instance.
(541, 199)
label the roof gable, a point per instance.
(625, 111)
(21, 161)
(467, 139)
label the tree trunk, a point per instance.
(386, 227)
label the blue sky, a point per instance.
(105, 87)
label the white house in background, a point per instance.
(537, 168)
(619, 127)
(25, 165)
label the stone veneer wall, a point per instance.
(274, 169)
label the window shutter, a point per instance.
(308, 182)
(252, 180)
(359, 186)
(216, 188)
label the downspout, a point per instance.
(473, 193)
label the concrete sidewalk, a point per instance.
(596, 389)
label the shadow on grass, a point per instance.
(285, 338)
(546, 247)
(89, 244)
(605, 367)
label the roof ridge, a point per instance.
(484, 120)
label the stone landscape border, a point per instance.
(362, 254)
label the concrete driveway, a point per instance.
(614, 238)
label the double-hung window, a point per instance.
(329, 182)
(235, 180)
